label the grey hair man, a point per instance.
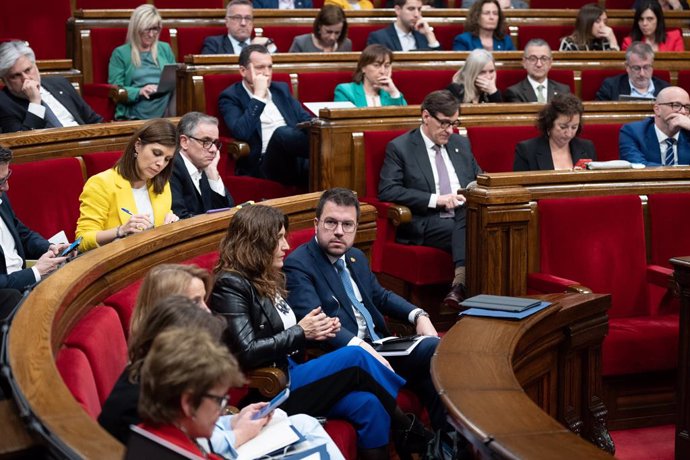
(239, 19)
(536, 87)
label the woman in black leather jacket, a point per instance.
(262, 331)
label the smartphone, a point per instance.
(71, 247)
(275, 402)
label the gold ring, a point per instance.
(140, 227)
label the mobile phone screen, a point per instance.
(275, 402)
(71, 247)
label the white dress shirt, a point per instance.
(13, 262)
(216, 185)
(58, 109)
(661, 137)
(407, 40)
(271, 118)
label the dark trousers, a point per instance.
(286, 159)
(445, 234)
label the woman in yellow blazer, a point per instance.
(348, 5)
(135, 194)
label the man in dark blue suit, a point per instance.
(409, 32)
(283, 5)
(30, 102)
(662, 140)
(239, 19)
(18, 242)
(638, 81)
(196, 184)
(265, 115)
(329, 272)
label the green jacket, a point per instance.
(354, 92)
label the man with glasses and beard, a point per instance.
(639, 81)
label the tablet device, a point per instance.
(167, 82)
(71, 247)
(275, 402)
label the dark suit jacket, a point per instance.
(274, 4)
(613, 87)
(535, 154)
(217, 44)
(120, 409)
(242, 117)
(29, 244)
(15, 115)
(638, 143)
(458, 90)
(186, 200)
(388, 37)
(523, 91)
(312, 281)
(407, 178)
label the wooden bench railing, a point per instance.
(58, 302)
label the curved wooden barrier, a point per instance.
(490, 373)
(58, 302)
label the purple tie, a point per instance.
(443, 179)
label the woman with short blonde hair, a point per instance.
(475, 83)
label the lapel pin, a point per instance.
(456, 150)
(353, 260)
(60, 92)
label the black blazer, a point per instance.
(217, 44)
(612, 88)
(15, 115)
(458, 90)
(120, 409)
(29, 244)
(523, 91)
(535, 154)
(186, 200)
(388, 37)
(255, 332)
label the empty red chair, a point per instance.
(282, 36)
(550, 4)
(605, 139)
(409, 82)
(320, 86)
(359, 33)
(76, 372)
(669, 217)
(495, 156)
(190, 40)
(684, 79)
(552, 34)
(100, 161)
(42, 24)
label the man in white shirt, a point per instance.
(264, 114)
(409, 32)
(536, 87)
(30, 102)
(196, 185)
(18, 242)
(239, 19)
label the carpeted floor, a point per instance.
(655, 443)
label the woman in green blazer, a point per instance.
(137, 65)
(372, 84)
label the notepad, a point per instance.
(513, 315)
(397, 346)
(499, 302)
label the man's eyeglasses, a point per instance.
(152, 30)
(240, 18)
(637, 68)
(207, 143)
(675, 106)
(332, 224)
(222, 401)
(447, 123)
(4, 180)
(534, 59)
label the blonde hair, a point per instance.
(143, 17)
(162, 281)
(466, 76)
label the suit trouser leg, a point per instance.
(448, 235)
(286, 159)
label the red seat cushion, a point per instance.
(495, 156)
(100, 337)
(344, 436)
(76, 372)
(605, 139)
(407, 82)
(100, 161)
(123, 301)
(320, 86)
(669, 218)
(45, 195)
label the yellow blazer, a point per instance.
(344, 4)
(102, 200)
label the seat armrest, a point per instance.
(238, 149)
(661, 276)
(268, 380)
(399, 214)
(545, 283)
(116, 94)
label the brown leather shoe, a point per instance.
(457, 294)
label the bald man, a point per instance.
(662, 140)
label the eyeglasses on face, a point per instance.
(4, 180)
(240, 18)
(445, 124)
(347, 225)
(207, 143)
(222, 401)
(152, 30)
(637, 68)
(675, 106)
(534, 59)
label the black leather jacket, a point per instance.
(255, 332)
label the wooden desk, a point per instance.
(682, 277)
(521, 389)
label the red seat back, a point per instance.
(669, 218)
(107, 4)
(56, 206)
(599, 242)
(593, 78)
(445, 33)
(191, 39)
(552, 34)
(550, 4)
(359, 33)
(320, 86)
(42, 24)
(409, 82)
(297, 238)
(77, 374)
(282, 36)
(192, 4)
(684, 79)
(605, 139)
(100, 161)
(495, 156)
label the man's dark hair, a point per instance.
(247, 52)
(339, 196)
(441, 101)
(399, 3)
(5, 155)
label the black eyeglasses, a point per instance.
(534, 59)
(222, 401)
(207, 143)
(6, 178)
(675, 106)
(445, 124)
(332, 224)
(240, 18)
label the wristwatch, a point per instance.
(418, 314)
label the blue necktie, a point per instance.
(669, 159)
(52, 121)
(347, 284)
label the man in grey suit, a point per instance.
(536, 87)
(239, 19)
(423, 170)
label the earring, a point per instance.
(136, 154)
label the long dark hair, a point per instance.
(660, 32)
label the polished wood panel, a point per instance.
(682, 277)
(524, 389)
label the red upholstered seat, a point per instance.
(206, 261)
(669, 219)
(445, 33)
(194, 4)
(344, 436)
(107, 4)
(41, 24)
(191, 39)
(593, 78)
(546, 4)
(509, 77)
(605, 138)
(123, 302)
(409, 82)
(600, 242)
(359, 33)
(100, 337)
(684, 79)
(77, 374)
(99, 161)
(57, 207)
(552, 34)
(320, 86)
(282, 36)
(97, 95)
(417, 265)
(495, 156)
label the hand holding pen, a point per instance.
(137, 223)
